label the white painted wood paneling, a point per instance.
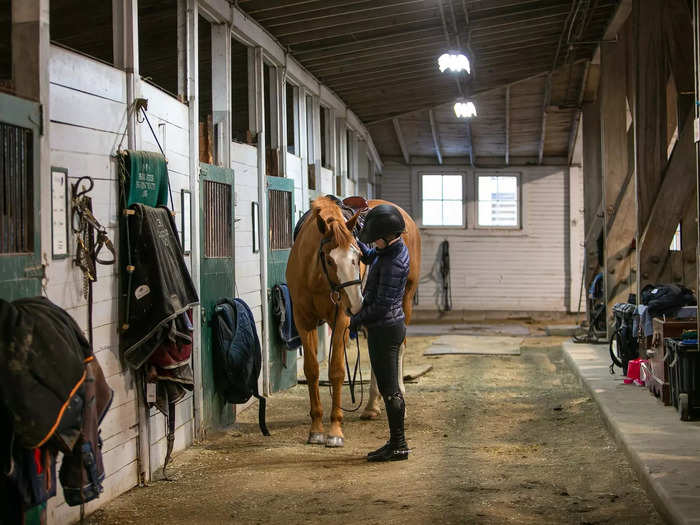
(326, 185)
(396, 186)
(87, 124)
(521, 270)
(244, 162)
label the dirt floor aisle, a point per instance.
(495, 440)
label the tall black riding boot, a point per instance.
(396, 449)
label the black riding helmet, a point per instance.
(382, 222)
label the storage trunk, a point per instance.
(658, 383)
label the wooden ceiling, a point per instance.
(380, 57)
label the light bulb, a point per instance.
(465, 109)
(454, 62)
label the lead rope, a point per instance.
(351, 382)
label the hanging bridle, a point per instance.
(335, 288)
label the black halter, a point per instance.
(335, 288)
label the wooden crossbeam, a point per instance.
(673, 197)
(402, 142)
(507, 125)
(545, 108)
(436, 141)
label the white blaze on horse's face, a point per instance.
(347, 262)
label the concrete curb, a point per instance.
(663, 451)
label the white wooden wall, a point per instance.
(87, 103)
(244, 162)
(87, 122)
(525, 270)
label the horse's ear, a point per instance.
(353, 221)
(321, 224)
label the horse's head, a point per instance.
(340, 255)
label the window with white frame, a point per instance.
(498, 201)
(442, 200)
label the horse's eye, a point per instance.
(330, 261)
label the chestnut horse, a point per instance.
(324, 279)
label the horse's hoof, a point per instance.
(369, 414)
(335, 441)
(316, 438)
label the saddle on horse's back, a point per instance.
(349, 206)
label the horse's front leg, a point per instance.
(309, 340)
(336, 375)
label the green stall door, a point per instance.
(20, 240)
(217, 269)
(280, 198)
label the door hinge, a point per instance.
(41, 119)
(35, 272)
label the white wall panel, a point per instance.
(87, 124)
(521, 270)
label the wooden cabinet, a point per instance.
(658, 383)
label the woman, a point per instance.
(383, 316)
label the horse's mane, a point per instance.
(330, 213)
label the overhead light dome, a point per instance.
(454, 62)
(465, 109)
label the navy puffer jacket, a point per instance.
(385, 287)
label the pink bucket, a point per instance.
(633, 371)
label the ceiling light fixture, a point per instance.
(465, 109)
(454, 62)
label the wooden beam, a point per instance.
(470, 143)
(618, 190)
(402, 142)
(672, 198)
(678, 33)
(545, 110)
(650, 125)
(434, 131)
(577, 114)
(438, 105)
(507, 125)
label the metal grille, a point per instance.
(218, 220)
(280, 220)
(16, 190)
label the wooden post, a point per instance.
(192, 94)
(650, 136)
(618, 186)
(258, 81)
(221, 91)
(592, 187)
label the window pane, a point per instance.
(485, 213)
(452, 187)
(432, 187)
(508, 186)
(498, 201)
(452, 213)
(488, 187)
(432, 213)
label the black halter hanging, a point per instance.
(335, 288)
